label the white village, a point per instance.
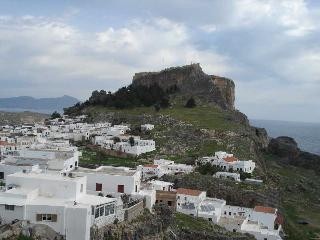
(42, 182)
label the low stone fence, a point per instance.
(133, 211)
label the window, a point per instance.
(81, 188)
(101, 209)
(9, 207)
(210, 219)
(109, 210)
(225, 212)
(71, 166)
(46, 217)
(98, 187)
(169, 203)
(1, 175)
(120, 188)
(185, 198)
(136, 188)
(97, 213)
(230, 213)
(234, 230)
(92, 210)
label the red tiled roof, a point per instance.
(230, 159)
(150, 166)
(265, 209)
(188, 192)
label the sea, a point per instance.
(307, 135)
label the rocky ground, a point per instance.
(23, 230)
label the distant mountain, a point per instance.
(28, 103)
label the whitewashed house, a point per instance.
(189, 200)
(228, 175)
(111, 180)
(139, 147)
(57, 201)
(161, 185)
(262, 222)
(169, 167)
(151, 170)
(228, 162)
(54, 160)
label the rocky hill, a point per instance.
(191, 81)
(286, 148)
(184, 134)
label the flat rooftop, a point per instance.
(46, 176)
(119, 171)
(20, 159)
(235, 221)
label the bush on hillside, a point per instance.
(55, 115)
(191, 103)
(127, 97)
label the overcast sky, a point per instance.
(271, 49)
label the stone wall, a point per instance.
(134, 211)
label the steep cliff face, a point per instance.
(191, 80)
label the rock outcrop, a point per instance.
(28, 230)
(191, 80)
(286, 148)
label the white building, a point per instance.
(53, 160)
(161, 185)
(189, 200)
(57, 201)
(262, 222)
(228, 175)
(139, 147)
(169, 167)
(228, 162)
(111, 180)
(150, 170)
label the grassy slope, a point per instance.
(300, 189)
(201, 116)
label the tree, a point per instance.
(164, 103)
(191, 103)
(244, 175)
(157, 107)
(55, 114)
(131, 141)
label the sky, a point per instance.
(270, 48)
